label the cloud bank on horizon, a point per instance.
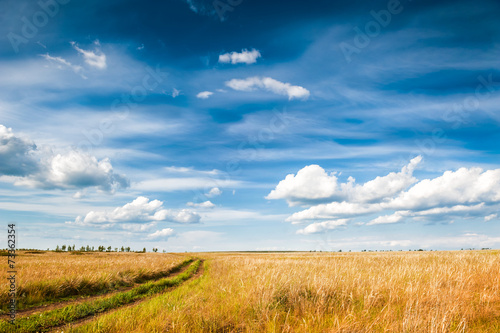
(460, 193)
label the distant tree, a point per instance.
(63, 248)
(144, 250)
(164, 251)
(92, 249)
(57, 248)
(155, 250)
(122, 249)
(109, 248)
(87, 248)
(127, 248)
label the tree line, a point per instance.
(100, 248)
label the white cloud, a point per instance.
(385, 219)
(313, 184)
(206, 204)
(464, 186)
(320, 227)
(191, 171)
(63, 62)
(214, 192)
(175, 93)
(181, 216)
(137, 211)
(387, 186)
(41, 168)
(246, 57)
(491, 217)
(164, 233)
(17, 155)
(334, 210)
(204, 94)
(269, 84)
(138, 227)
(466, 192)
(79, 195)
(95, 59)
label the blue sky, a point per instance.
(193, 125)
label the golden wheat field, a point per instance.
(298, 292)
(50, 275)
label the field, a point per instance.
(260, 292)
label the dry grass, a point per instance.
(50, 275)
(352, 292)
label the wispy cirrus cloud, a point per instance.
(96, 58)
(64, 63)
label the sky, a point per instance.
(192, 125)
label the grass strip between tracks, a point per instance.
(71, 313)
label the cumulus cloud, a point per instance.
(464, 186)
(43, 169)
(75, 170)
(269, 84)
(334, 210)
(206, 204)
(138, 211)
(162, 234)
(204, 94)
(491, 217)
(96, 59)
(16, 154)
(385, 219)
(244, 57)
(320, 227)
(214, 192)
(313, 184)
(466, 192)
